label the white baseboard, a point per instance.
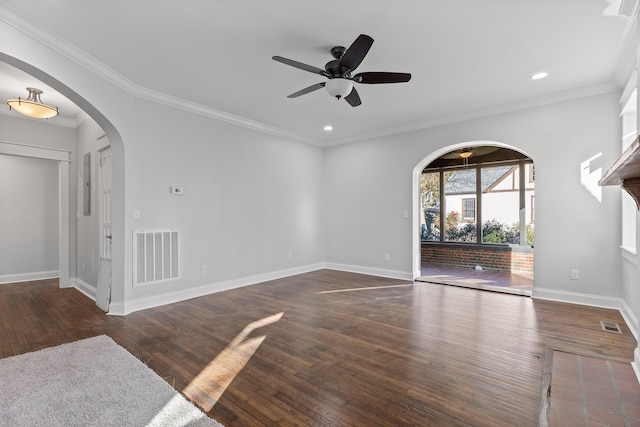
(636, 362)
(122, 309)
(391, 274)
(85, 288)
(577, 298)
(630, 319)
(28, 277)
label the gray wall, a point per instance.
(16, 232)
(28, 218)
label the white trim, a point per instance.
(31, 28)
(85, 288)
(577, 298)
(63, 224)
(636, 362)
(628, 90)
(630, 255)
(122, 309)
(484, 112)
(629, 318)
(372, 271)
(25, 150)
(628, 56)
(28, 277)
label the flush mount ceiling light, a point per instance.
(33, 106)
(328, 128)
(539, 76)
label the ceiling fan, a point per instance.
(338, 71)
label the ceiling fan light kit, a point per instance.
(33, 106)
(338, 87)
(338, 71)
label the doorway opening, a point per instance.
(477, 219)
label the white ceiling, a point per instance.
(467, 57)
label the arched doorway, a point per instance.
(117, 149)
(475, 217)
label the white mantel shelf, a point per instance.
(626, 172)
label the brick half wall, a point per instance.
(515, 259)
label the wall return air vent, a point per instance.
(157, 256)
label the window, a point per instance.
(459, 184)
(496, 210)
(430, 201)
(468, 209)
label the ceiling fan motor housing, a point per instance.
(335, 70)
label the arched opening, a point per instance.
(474, 225)
(117, 203)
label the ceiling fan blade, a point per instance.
(307, 90)
(356, 52)
(300, 65)
(353, 98)
(377, 77)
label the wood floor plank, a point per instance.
(335, 348)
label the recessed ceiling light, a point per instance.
(328, 128)
(539, 76)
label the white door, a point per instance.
(103, 294)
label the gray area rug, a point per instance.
(92, 382)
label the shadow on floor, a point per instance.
(497, 281)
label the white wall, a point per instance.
(369, 186)
(28, 218)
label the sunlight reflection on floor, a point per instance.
(365, 289)
(207, 387)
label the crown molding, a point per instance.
(628, 58)
(23, 23)
(484, 112)
(42, 35)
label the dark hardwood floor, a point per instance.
(330, 348)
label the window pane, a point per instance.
(460, 191)
(430, 202)
(501, 203)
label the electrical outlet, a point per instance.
(386, 257)
(575, 274)
(203, 269)
(290, 255)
